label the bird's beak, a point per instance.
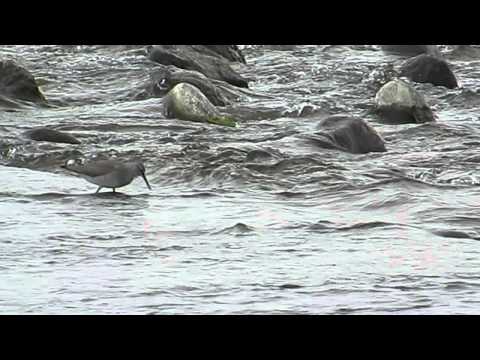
(146, 181)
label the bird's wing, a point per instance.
(98, 168)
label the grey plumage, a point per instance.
(109, 173)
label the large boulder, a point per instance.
(17, 83)
(429, 69)
(164, 79)
(229, 52)
(399, 103)
(188, 57)
(411, 50)
(347, 133)
(187, 102)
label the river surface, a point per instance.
(251, 220)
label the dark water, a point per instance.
(246, 220)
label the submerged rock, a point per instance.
(429, 69)
(188, 57)
(187, 102)
(50, 135)
(17, 83)
(411, 50)
(398, 102)
(349, 134)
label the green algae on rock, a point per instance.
(187, 102)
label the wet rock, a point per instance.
(187, 102)
(411, 50)
(429, 69)
(229, 52)
(189, 58)
(280, 47)
(50, 135)
(399, 103)
(17, 83)
(165, 79)
(349, 134)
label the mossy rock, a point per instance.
(186, 102)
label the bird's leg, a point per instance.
(98, 190)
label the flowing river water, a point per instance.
(247, 220)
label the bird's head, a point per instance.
(140, 168)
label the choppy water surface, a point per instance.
(240, 221)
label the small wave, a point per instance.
(406, 182)
(202, 194)
(454, 234)
(111, 127)
(304, 162)
(256, 155)
(291, 194)
(290, 287)
(458, 285)
(237, 229)
(323, 226)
